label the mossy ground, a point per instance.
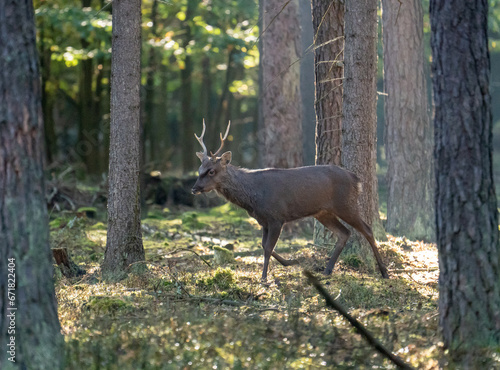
(185, 312)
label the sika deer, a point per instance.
(277, 196)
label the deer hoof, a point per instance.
(327, 272)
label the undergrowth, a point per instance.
(188, 312)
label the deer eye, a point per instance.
(211, 172)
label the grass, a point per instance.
(185, 312)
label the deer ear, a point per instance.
(225, 158)
(200, 155)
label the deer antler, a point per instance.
(203, 154)
(222, 140)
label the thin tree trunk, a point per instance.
(150, 136)
(466, 205)
(328, 25)
(281, 105)
(165, 143)
(188, 152)
(408, 131)
(47, 101)
(223, 106)
(124, 240)
(97, 110)
(360, 117)
(29, 325)
(88, 145)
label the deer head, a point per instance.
(212, 167)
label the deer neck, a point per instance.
(236, 188)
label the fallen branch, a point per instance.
(189, 250)
(361, 329)
(396, 271)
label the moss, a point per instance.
(58, 223)
(353, 260)
(190, 221)
(107, 305)
(222, 279)
(222, 255)
(98, 226)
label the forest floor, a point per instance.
(195, 306)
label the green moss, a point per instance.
(353, 260)
(222, 255)
(58, 222)
(98, 226)
(222, 279)
(107, 305)
(190, 221)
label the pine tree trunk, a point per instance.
(47, 100)
(408, 131)
(28, 305)
(124, 240)
(359, 152)
(151, 139)
(328, 25)
(188, 151)
(281, 106)
(466, 206)
(88, 141)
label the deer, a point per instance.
(275, 196)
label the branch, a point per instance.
(189, 250)
(415, 269)
(361, 329)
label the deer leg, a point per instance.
(333, 224)
(367, 232)
(280, 259)
(269, 239)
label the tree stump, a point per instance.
(68, 267)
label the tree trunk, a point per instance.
(47, 100)
(124, 241)
(188, 151)
(150, 136)
(29, 325)
(360, 117)
(220, 119)
(281, 106)
(408, 132)
(328, 25)
(88, 141)
(466, 206)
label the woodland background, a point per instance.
(190, 298)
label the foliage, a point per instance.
(222, 46)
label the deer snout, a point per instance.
(196, 190)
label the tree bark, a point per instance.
(188, 151)
(360, 117)
(151, 139)
(47, 100)
(88, 140)
(29, 325)
(408, 131)
(281, 106)
(328, 25)
(124, 240)
(466, 206)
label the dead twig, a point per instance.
(396, 271)
(189, 250)
(361, 329)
